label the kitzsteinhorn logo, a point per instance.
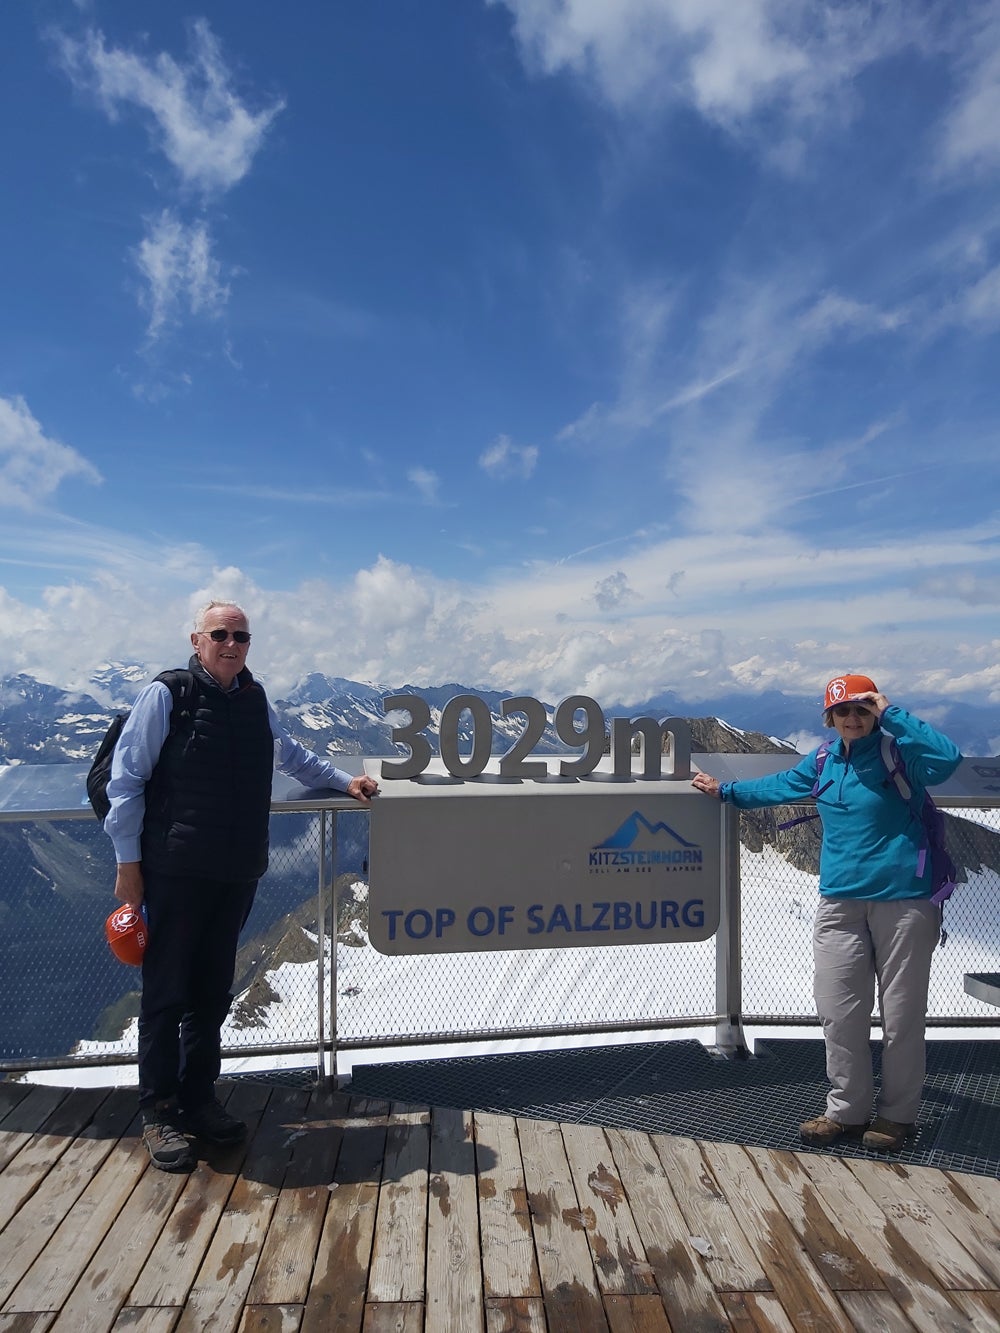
(663, 847)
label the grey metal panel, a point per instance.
(984, 986)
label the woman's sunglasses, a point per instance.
(221, 635)
(847, 710)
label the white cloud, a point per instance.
(32, 465)
(968, 137)
(504, 459)
(729, 61)
(176, 261)
(206, 132)
(750, 612)
(426, 482)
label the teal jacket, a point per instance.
(871, 837)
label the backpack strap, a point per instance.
(894, 766)
(821, 757)
(180, 682)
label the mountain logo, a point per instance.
(640, 844)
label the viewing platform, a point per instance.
(351, 1211)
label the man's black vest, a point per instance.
(209, 797)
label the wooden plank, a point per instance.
(843, 1263)
(454, 1281)
(977, 1231)
(336, 1300)
(12, 1093)
(688, 1295)
(394, 1317)
(399, 1248)
(28, 1233)
(618, 1253)
(171, 1268)
(950, 1261)
(982, 1307)
(727, 1255)
(564, 1260)
(757, 1312)
(516, 1314)
(508, 1250)
(271, 1319)
(983, 1191)
(35, 1135)
(796, 1281)
(286, 1260)
(24, 1115)
(93, 1304)
(136, 1319)
(902, 1268)
(874, 1312)
(50, 1279)
(26, 1323)
(219, 1292)
(629, 1312)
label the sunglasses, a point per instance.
(848, 710)
(221, 635)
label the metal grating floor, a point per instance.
(681, 1088)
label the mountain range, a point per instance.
(43, 723)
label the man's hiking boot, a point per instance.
(822, 1131)
(213, 1123)
(887, 1135)
(168, 1149)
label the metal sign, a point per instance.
(492, 863)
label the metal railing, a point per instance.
(308, 984)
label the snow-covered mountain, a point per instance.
(42, 723)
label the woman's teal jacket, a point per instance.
(871, 836)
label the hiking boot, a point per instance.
(214, 1124)
(822, 1131)
(887, 1135)
(168, 1149)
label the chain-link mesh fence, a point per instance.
(63, 996)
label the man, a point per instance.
(190, 800)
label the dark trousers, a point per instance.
(187, 975)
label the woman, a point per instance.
(874, 920)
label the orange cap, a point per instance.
(127, 934)
(843, 689)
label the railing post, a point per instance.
(321, 1071)
(334, 914)
(729, 1038)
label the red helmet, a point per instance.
(128, 934)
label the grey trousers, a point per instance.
(855, 944)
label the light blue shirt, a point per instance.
(138, 749)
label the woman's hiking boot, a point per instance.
(822, 1131)
(887, 1135)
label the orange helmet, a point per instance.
(844, 689)
(127, 934)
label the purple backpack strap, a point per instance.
(817, 790)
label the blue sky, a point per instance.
(550, 345)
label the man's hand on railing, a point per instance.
(362, 788)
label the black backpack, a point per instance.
(181, 686)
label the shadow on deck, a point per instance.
(679, 1087)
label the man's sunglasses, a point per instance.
(846, 710)
(221, 635)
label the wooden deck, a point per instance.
(354, 1215)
